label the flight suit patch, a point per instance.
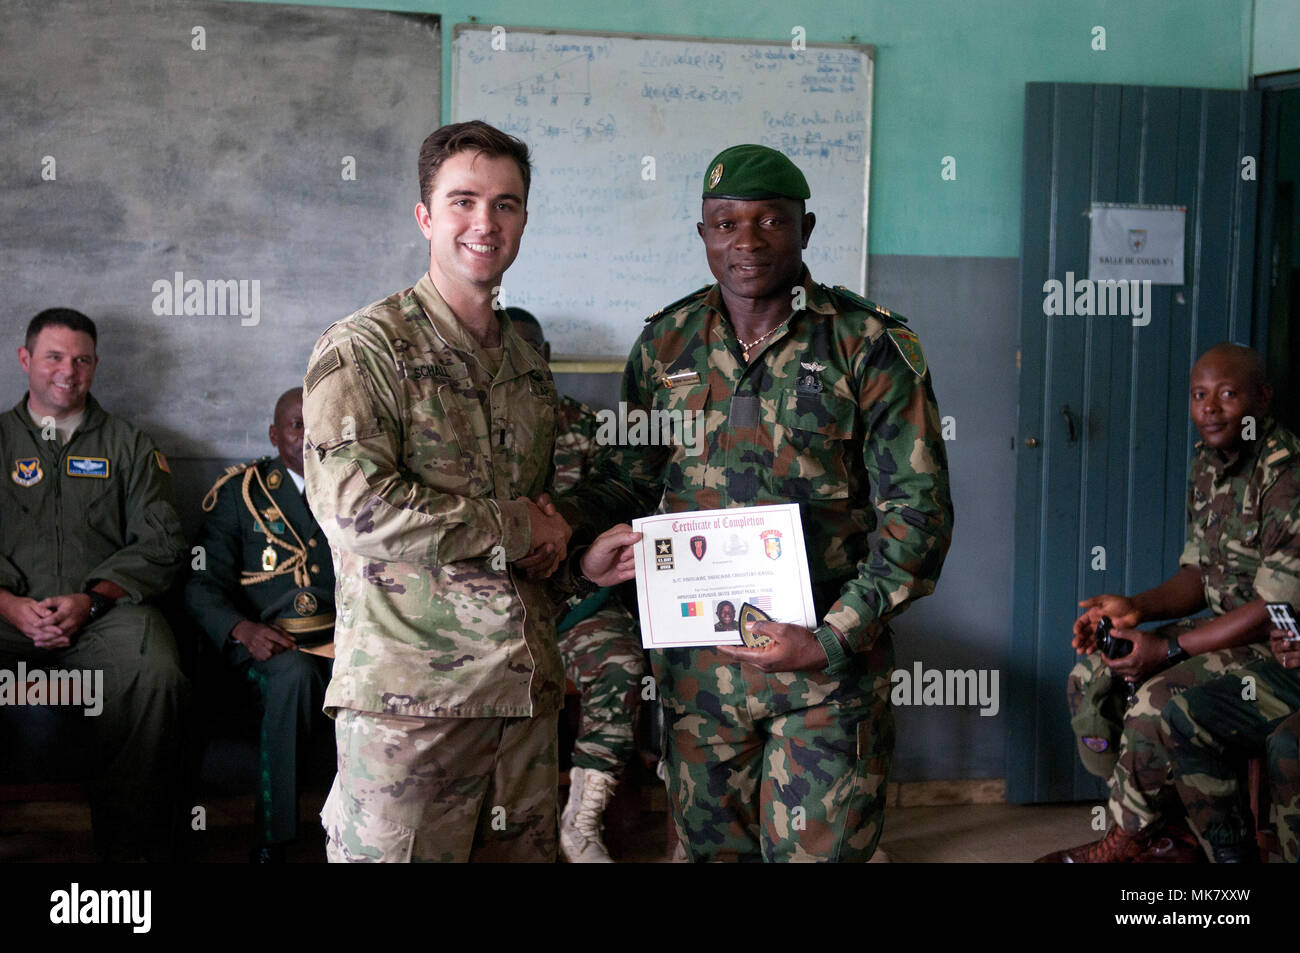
(27, 471)
(96, 467)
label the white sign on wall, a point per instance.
(1137, 242)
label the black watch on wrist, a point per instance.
(99, 604)
(1176, 652)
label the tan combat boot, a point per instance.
(584, 816)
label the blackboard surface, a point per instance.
(129, 155)
(621, 129)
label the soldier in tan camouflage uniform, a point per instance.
(599, 645)
(781, 753)
(1241, 552)
(429, 434)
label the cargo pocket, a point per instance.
(355, 835)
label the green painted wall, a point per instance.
(950, 78)
(1276, 36)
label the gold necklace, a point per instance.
(745, 348)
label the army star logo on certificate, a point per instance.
(749, 557)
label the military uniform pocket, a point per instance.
(813, 438)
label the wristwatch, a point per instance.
(99, 604)
(1176, 652)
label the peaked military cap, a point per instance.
(753, 172)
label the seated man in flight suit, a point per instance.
(89, 538)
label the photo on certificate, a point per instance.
(695, 571)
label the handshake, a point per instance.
(607, 562)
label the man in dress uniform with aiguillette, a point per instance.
(266, 599)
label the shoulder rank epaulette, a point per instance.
(862, 304)
(210, 500)
(670, 308)
(904, 338)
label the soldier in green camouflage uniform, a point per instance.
(1284, 775)
(430, 426)
(781, 753)
(599, 645)
(1212, 729)
(1241, 552)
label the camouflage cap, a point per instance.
(753, 172)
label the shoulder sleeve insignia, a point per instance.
(670, 308)
(909, 346)
(328, 363)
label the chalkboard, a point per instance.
(224, 142)
(621, 128)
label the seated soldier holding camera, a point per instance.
(1241, 552)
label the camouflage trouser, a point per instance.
(1098, 700)
(1140, 786)
(782, 767)
(1284, 775)
(602, 655)
(442, 789)
(1212, 730)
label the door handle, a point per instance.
(1069, 420)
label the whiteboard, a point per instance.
(611, 237)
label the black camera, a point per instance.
(1111, 646)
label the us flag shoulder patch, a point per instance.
(328, 363)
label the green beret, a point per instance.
(753, 172)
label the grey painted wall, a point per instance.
(221, 163)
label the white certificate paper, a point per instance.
(695, 570)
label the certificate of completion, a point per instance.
(695, 570)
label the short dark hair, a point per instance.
(59, 318)
(475, 135)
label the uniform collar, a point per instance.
(1244, 458)
(517, 356)
(92, 417)
(287, 496)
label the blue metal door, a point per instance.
(1103, 436)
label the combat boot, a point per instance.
(583, 819)
(1117, 847)
(1172, 844)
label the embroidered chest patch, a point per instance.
(27, 471)
(96, 467)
